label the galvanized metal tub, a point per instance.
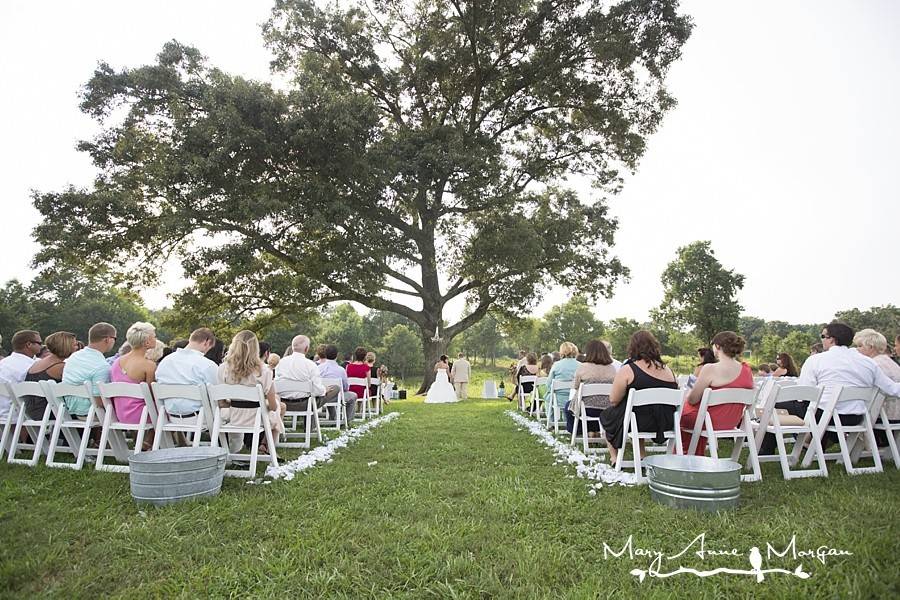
(696, 482)
(174, 474)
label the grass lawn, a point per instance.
(461, 504)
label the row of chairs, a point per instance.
(759, 418)
(57, 431)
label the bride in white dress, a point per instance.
(441, 391)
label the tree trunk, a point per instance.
(432, 351)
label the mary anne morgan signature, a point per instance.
(698, 547)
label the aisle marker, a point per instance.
(586, 467)
(324, 453)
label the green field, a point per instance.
(461, 504)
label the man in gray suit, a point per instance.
(459, 373)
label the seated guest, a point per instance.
(644, 369)
(546, 364)
(319, 357)
(816, 348)
(216, 353)
(762, 370)
(329, 369)
(874, 345)
(135, 367)
(529, 369)
(728, 372)
(786, 366)
(373, 373)
(615, 363)
(89, 366)
(597, 367)
(188, 366)
(14, 368)
(156, 352)
(265, 349)
(296, 367)
(706, 358)
(273, 361)
(243, 366)
(358, 368)
(562, 370)
(61, 346)
(838, 366)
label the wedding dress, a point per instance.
(441, 391)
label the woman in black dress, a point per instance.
(644, 369)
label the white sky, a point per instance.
(782, 150)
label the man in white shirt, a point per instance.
(25, 346)
(839, 365)
(296, 367)
(459, 373)
(188, 366)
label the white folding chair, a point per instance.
(849, 434)
(37, 428)
(771, 422)
(891, 430)
(744, 431)
(362, 402)
(537, 400)
(294, 391)
(225, 392)
(376, 397)
(532, 379)
(113, 430)
(168, 424)
(582, 418)
(76, 432)
(631, 433)
(340, 409)
(553, 408)
(8, 422)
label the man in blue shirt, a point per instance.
(89, 365)
(329, 369)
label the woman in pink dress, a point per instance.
(134, 367)
(728, 372)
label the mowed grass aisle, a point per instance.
(461, 504)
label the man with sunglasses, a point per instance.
(840, 365)
(25, 345)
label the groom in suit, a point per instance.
(459, 373)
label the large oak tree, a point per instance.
(418, 154)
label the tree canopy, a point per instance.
(433, 137)
(700, 292)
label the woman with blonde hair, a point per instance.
(562, 370)
(874, 345)
(135, 367)
(61, 346)
(243, 366)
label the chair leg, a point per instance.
(254, 451)
(892, 443)
(104, 439)
(17, 431)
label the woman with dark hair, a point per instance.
(706, 358)
(358, 367)
(597, 367)
(217, 352)
(644, 369)
(786, 366)
(530, 368)
(728, 372)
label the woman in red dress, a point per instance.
(358, 367)
(728, 372)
